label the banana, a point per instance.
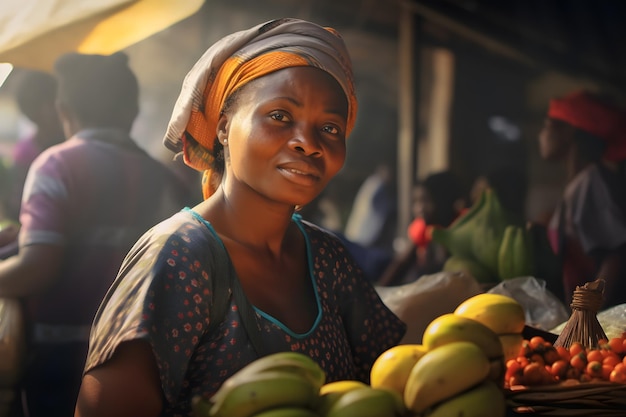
(285, 361)
(451, 327)
(341, 386)
(392, 368)
(332, 391)
(287, 412)
(502, 314)
(366, 402)
(248, 395)
(515, 256)
(484, 400)
(443, 373)
(490, 225)
(470, 267)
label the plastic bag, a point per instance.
(543, 309)
(12, 341)
(420, 302)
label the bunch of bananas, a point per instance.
(487, 242)
(447, 380)
(459, 368)
(285, 384)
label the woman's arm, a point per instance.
(127, 385)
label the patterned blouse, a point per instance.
(163, 295)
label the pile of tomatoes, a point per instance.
(541, 363)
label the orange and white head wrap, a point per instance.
(603, 120)
(239, 58)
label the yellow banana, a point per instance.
(470, 267)
(483, 400)
(443, 373)
(287, 412)
(332, 391)
(366, 402)
(392, 368)
(502, 314)
(256, 392)
(451, 327)
(341, 386)
(286, 361)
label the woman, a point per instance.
(265, 113)
(588, 228)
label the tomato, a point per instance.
(594, 369)
(620, 367)
(575, 348)
(559, 368)
(611, 359)
(564, 353)
(616, 344)
(534, 374)
(579, 361)
(617, 376)
(606, 371)
(594, 355)
(537, 343)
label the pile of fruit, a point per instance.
(540, 363)
(491, 245)
(458, 369)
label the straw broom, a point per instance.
(583, 325)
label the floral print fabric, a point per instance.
(163, 295)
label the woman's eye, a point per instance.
(281, 117)
(331, 129)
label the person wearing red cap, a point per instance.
(588, 228)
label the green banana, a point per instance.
(367, 402)
(285, 361)
(331, 392)
(444, 372)
(489, 228)
(470, 267)
(287, 412)
(515, 256)
(483, 400)
(255, 392)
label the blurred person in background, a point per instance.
(588, 227)
(437, 201)
(85, 202)
(35, 96)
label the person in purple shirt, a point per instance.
(85, 202)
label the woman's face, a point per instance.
(555, 139)
(286, 135)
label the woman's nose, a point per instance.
(307, 142)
